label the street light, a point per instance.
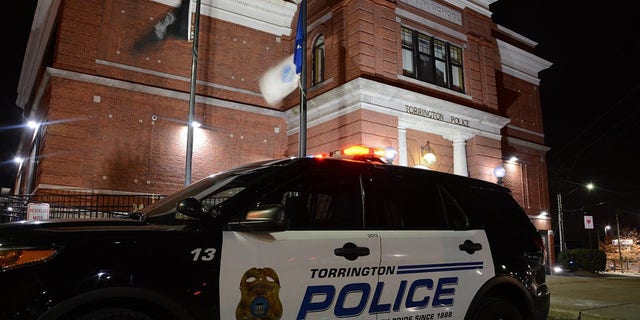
(563, 246)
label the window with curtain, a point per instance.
(432, 60)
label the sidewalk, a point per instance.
(606, 296)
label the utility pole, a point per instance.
(619, 249)
(563, 246)
(560, 223)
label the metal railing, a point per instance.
(72, 204)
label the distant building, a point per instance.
(405, 74)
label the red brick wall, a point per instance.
(481, 60)
(231, 56)
(483, 155)
(361, 127)
(521, 103)
(113, 143)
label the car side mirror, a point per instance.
(191, 207)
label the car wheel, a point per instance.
(113, 314)
(496, 309)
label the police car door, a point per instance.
(323, 267)
(437, 265)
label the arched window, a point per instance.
(317, 72)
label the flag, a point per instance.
(279, 81)
(298, 50)
(175, 23)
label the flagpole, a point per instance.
(192, 95)
(302, 150)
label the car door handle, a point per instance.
(351, 251)
(470, 246)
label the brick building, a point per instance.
(405, 74)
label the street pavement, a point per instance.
(605, 296)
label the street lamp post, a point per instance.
(607, 227)
(563, 246)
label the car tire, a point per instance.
(496, 309)
(113, 314)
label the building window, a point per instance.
(317, 72)
(432, 60)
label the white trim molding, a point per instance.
(413, 110)
(521, 64)
(271, 16)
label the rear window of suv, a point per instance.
(489, 208)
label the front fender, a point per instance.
(131, 295)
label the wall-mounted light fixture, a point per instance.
(428, 155)
(390, 154)
(499, 172)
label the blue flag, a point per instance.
(298, 50)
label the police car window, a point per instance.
(406, 201)
(327, 200)
(495, 210)
(211, 191)
(456, 218)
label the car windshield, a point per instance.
(212, 191)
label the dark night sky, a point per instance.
(15, 21)
(590, 97)
(590, 100)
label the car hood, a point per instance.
(42, 231)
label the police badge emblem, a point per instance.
(259, 300)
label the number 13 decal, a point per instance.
(206, 254)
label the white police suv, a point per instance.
(300, 238)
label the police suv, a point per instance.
(300, 238)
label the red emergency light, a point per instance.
(356, 152)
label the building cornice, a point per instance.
(517, 36)
(270, 16)
(41, 30)
(480, 6)
(528, 144)
(520, 63)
